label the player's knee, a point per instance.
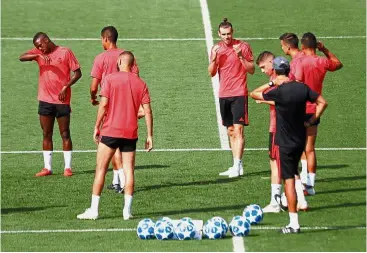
(65, 135)
(47, 135)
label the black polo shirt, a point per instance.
(290, 106)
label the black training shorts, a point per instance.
(287, 161)
(55, 110)
(125, 145)
(234, 110)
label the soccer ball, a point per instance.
(213, 229)
(163, 230)
(145, 229)
(223, 222)
(239, 226)
(186, 219)
(253, 213)
(185, 230)
(165, 219)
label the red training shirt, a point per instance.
(293, 64)
(232, 74)
(106, 63)
(125, 92)
(54, 76)
(311, 70)
(273, 122)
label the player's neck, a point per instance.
(111, 46)
(309, 51)
(293, 52)
(125, 69)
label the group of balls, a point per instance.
(214, 228)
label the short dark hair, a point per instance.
(290, 38)
(309, 40)
(131, 57)
(263, 55)
(39, 35)
(225, 24)
(282, 71)
(111, 33)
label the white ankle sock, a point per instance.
(47, 159)
(293, 218)
(121, 177)
(299, 191)
(304, 171)
(237, 162)
(311, 179)
(115, 179)
(275, 189)
(128, 202)
(67, 159)
(95, 202)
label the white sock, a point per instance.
(47, 159)
(128, 202)
(293, 218)
(299, 191)
(115, 179)
(311, 179)
(304, 171)
(121, 177)
(95, 203)
(237, 162)
(275, 189)
(67, 159)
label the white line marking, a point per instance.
(238, 244)
(177, 39)
(174, 150)
(134, 229)
(224, 143)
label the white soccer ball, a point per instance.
(239, 226)
(213, 229)
(163, 230)
(185, 230)
(253, 213)
(165, 219)
(145, 229)
(186, 219)
(223, 223)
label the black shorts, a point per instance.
(272, 151)
(55, 110)
(287, 161)
(309, 116)
(234, 110)
(125, 145)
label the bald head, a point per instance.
(125, 61)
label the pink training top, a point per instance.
(232, 74)
(293, 64)
(273, 122)
(54, 76)
(125, 92)
(311, 70)
(106, 63)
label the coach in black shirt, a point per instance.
(290, 105)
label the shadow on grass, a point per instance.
(26, 209)
(332, 179)
(344, 205)
(140, 167)
(327, 229)
(206, 182)
(342, 190)
(333, 166)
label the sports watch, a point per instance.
(271, 83)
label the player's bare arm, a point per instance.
(257, 94)
(213, 66)
(74, 78)
(321, 105)
(265, 102)
(93, 91)
(321, 47)
(31, 57)
(102, 109)
(149, 123)
(248, 65)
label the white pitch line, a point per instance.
(177, 39)
(224, 143)
(134, 229)
(173, 150)
(238, 244)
